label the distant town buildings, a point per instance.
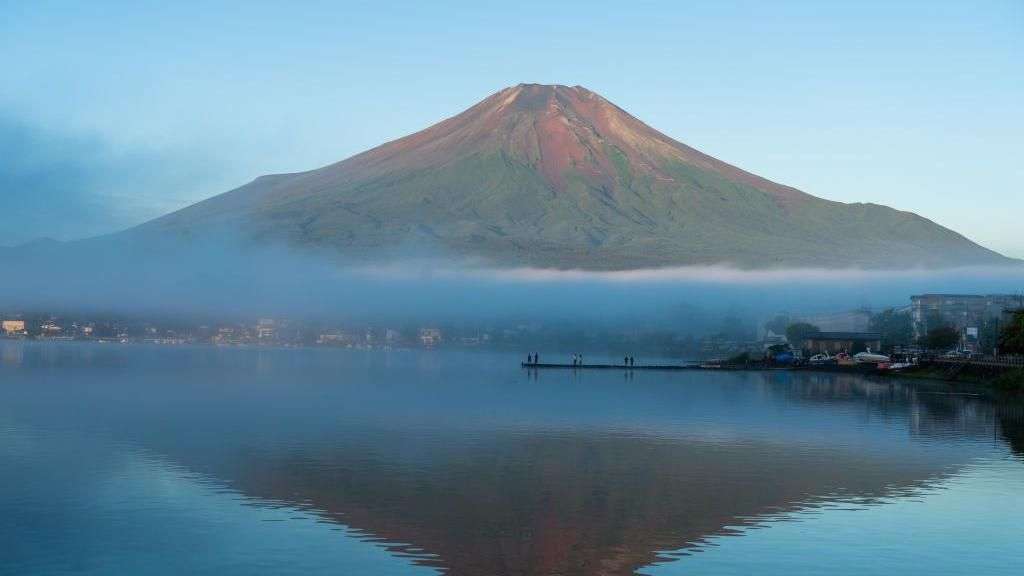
(849, 342)
(50, 329)
(336, 338)
(230, 336)
(976, 318)
(430, 337)
(968, 313)
(13, 327)
(849, 321)
(264, 329)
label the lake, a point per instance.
(132, 459)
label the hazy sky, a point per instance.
(115, 112)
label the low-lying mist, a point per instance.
(127, 274)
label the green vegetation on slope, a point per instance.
(556, 176)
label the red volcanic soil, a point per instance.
(555, 127)
(557, 176)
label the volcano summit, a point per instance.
(559, 177)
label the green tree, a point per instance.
(1011, 339)
(896, 328)
(741, 358)
(799, 332)
(941, 337)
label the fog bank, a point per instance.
(130, 275)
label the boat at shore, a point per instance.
(844, 359)
(821, 360)
(869, 357)
(895, 366)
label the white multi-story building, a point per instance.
(968, 313)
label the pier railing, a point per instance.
(1007, 361)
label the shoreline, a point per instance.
(1003, 380)
(1006, 380)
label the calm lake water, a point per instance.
(148, 460)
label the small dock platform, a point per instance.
(663, 367)
(694, 366)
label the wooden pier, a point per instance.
(751, 367)
(952, 366)
(669, 367)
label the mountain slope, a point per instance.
(557, 176)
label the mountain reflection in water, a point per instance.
(474, 467)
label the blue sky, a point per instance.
(112, 113)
